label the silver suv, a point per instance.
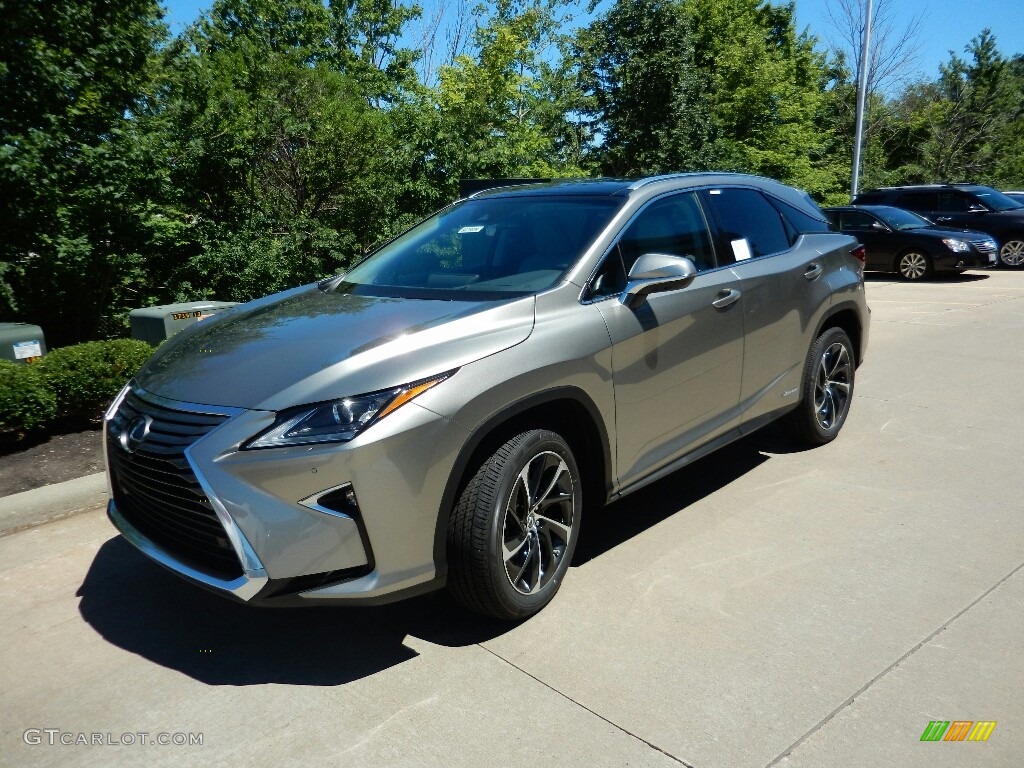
(444, 412)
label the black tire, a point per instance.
(1011, 252)
(826, 389)
(914, 265)
(505, 558)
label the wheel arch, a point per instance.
(570, 412)
(847, 318)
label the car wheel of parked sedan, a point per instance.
(514, 527)
(914, 265)
(827, 389)
(1011, 253)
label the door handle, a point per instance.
(812, 271)
(943, 218)
(726, 298)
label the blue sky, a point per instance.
(945, 24)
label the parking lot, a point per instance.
(763, 607)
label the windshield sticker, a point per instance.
(741, 249)
(469, 230)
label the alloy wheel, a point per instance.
(538, 521)
(913, 266)
(1012, 253)
(832, 385)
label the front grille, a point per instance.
(157, 492)
(984, 246)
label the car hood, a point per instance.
(939, 231)
(308, 345)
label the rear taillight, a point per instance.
(859, 254)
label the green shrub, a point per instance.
(26, 402)
(85, 377)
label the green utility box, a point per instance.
(21, 342)
(155, 324)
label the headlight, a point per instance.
(339, 421)
(957, 246)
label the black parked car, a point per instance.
(903, 242)
(962, 205)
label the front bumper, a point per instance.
(956, 262)
(285, 515)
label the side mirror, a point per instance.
(656, 272)
(879, 226)
(976, 208)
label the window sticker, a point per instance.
(471, 230)
(741, 249)
(715, 192)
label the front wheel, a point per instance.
(826, 389)
(514, 527)
(1011, 253)
(914, 265)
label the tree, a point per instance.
(701, 84)
(498, 111)
(962, 125)
(73, 169)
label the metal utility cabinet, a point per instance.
(21, 342)
(155, 324)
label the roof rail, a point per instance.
(680, 175)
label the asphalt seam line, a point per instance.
(824, 721)
(614, 725)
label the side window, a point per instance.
(748, 222)
(955, 202)
(919, 201)
(801, 221)
(674, 225)
(857, 221)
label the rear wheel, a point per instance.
(827, 389)
(514, 527)
(1011, 253)
(914, 265)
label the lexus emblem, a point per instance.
(135, 433)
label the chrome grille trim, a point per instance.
(176, 519)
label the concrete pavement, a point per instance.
(762, 608)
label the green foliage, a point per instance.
(86, 377)
(271, 143)
(26, 402)
(72, 170)
(708, 84)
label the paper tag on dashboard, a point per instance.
(470, 230)
(741, 249)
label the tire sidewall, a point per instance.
(927, 269)
(1011, 239)
(822, 343)
(513, 601)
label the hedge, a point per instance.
(86, 377)
(77, 381)
(26, 401)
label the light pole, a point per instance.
(862, 96)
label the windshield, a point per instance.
(897, 218)
(995, 200)
(485, 248)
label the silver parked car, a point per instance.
(443, 412)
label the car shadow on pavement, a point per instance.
(136, 605)
(607, 527)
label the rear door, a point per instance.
(782, 279)
(877, 243)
